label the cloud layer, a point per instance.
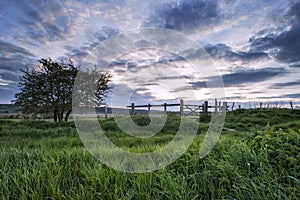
(185, 15)
(285, 45)
(253, 43)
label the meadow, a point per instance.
(257, 157)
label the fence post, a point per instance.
(105, 110)
(149, 106)
(181, 107)
(225, 106)
(165, 108)
(232, 106)
(292, 105)
(239, 106)
(205, 108)
(132, 109)
(216, 106)
(260, 105)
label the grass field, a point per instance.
(256, 157)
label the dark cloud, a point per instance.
(287, 84)
(8, 49)
(294, 65)
(170, 58)
(246, 76)
(43, 20)
(295, 96)
(144, 97)
(150, 84)
(79, 53)
(185, 15)
(184, 88)
(7, 94)
(251, 76)
(295, 10)
(13, 58)
(285, 45)
(119, 62)
(9, 76)
(131, 65)
(289, 44)
(173, 77)
(143, 44)
(222, 51)
(119, 94)
(136, 64)
(262, 44)
(105, 33)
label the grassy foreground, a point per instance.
(256, 157)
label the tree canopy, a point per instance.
(48, 88)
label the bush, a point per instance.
(141, 120)
(205, 118)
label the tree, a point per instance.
(90, 88)
(48, 88)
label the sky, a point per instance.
(255, 45)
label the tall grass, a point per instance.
(45, 160)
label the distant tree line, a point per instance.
(49, 87)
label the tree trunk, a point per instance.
(55, 115)
(60, 115)
(67, 115)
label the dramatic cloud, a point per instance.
(4, 82)
(138, 95)
(289, 45)
(222, 51)
(251, 76)
(285, 45)
(7, 94)
(85, 50)
(8, 48)
(43, 20)
(35, 29)
(296, 95)
(185, 15)
(77, 54)
(238, 78)
(262, 44)
(12, 59)
(105, 33)
(286, 84)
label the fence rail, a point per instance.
(105, 111)
(185, 109)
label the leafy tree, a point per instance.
(90, 88)
(48, 88)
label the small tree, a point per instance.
(48, 88)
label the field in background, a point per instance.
(256, 157)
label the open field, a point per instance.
(256, 157)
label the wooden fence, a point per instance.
(185, 109)
(105, 111)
